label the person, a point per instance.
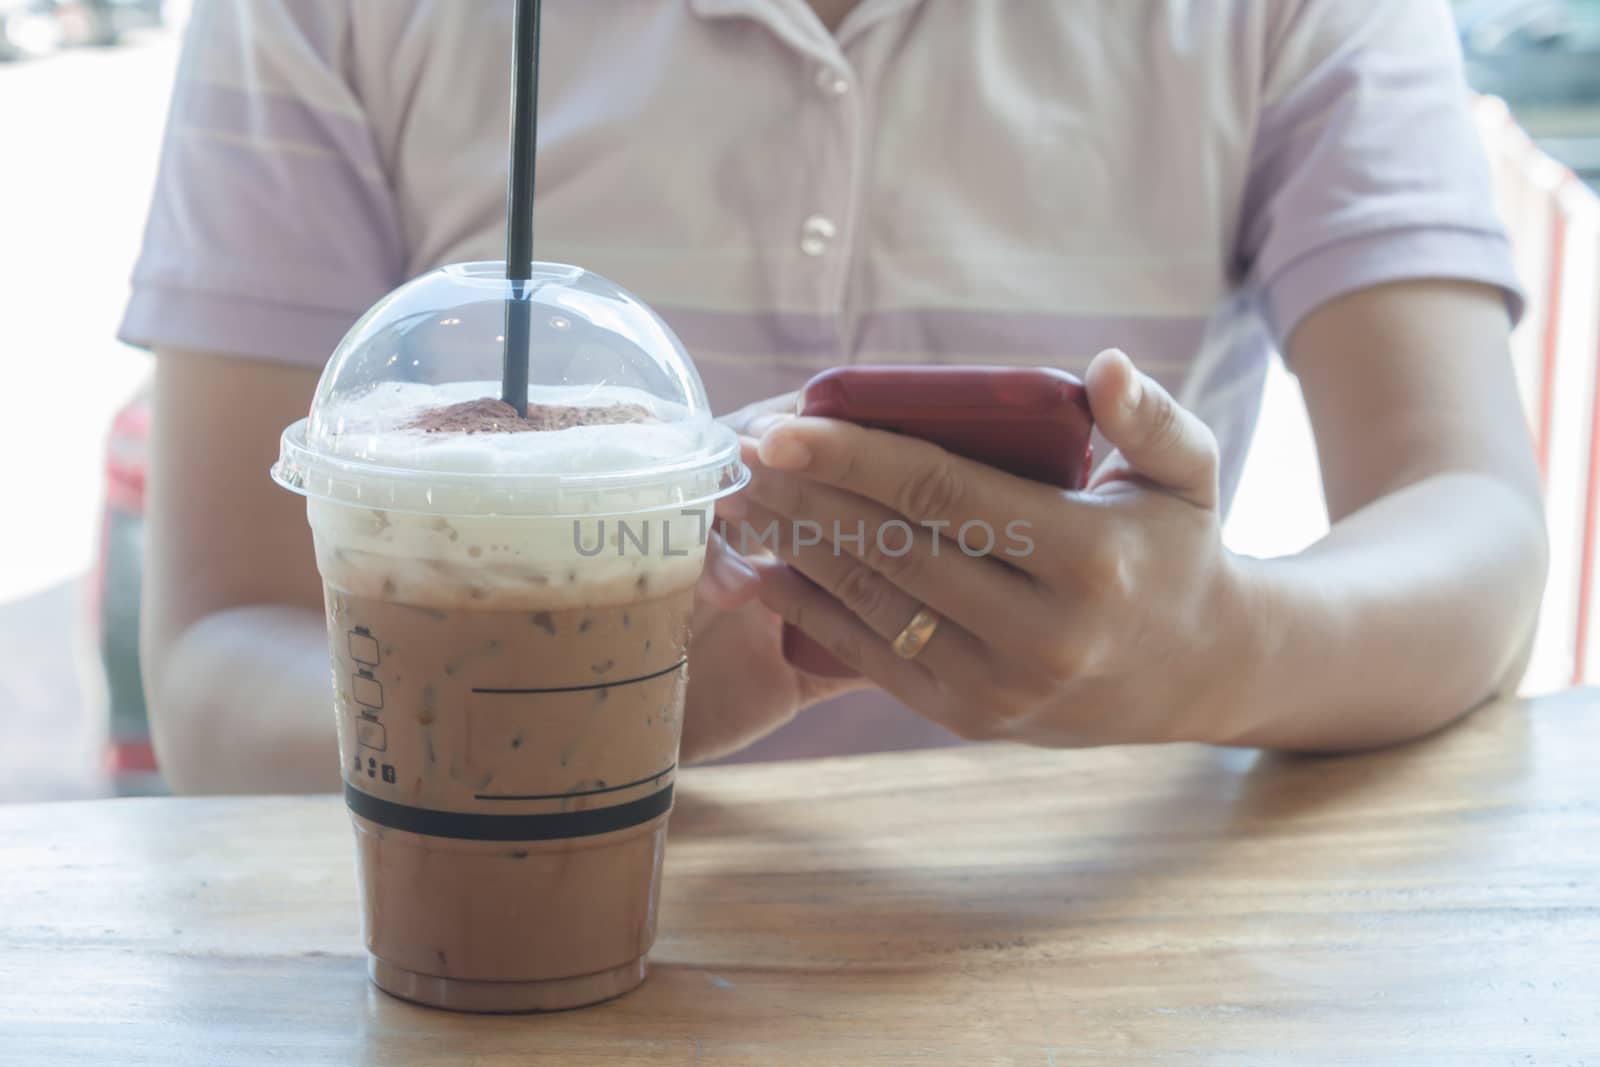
(796, 185)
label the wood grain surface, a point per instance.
(1430, 904)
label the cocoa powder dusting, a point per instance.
(496, 416)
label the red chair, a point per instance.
(129, 758)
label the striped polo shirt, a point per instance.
(972, 181)
(976, 181)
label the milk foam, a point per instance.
(588, 515)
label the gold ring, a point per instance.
(910, 642)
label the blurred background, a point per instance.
(83, 94)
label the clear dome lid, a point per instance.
(408, 413)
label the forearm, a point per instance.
(1413, 611)
(241, 702)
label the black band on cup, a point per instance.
(472, 826)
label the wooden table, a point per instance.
(1439, 903)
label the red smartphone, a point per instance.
(1033, 422)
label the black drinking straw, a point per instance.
(519, 221)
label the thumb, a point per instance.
(1159, 440)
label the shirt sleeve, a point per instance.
(273, 224)
(1367, 167)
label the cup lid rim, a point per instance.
(309, 472)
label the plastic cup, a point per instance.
(508, 616)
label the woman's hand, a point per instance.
(1106, 616)
(741, 688)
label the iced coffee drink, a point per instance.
(508, 601)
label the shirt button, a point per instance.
(817, 235)
(832, 83)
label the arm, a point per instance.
(1422, 601)
(235, 652)
(274, 225)
(1131, 622)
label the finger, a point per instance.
(876, 563)
(802, 653)
(808, 608)
(919, 481)
(875, 600)
(963, 670)
(1158, 439)
(742, 419)
(727, 582)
